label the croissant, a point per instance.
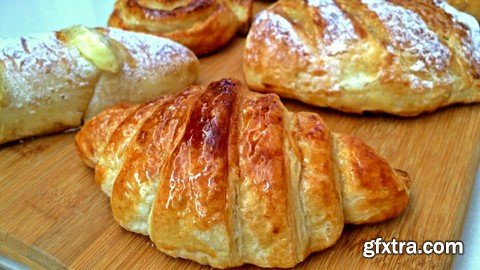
(470, 6)
(224, 176)
(398, 57)
(51, 82)
(203, 26)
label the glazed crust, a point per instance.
(203, 26)
(47, 85)
(398, 57)
(224, 176)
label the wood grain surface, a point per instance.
(53, 215)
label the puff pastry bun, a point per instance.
(224, 176)
(52, 82)
(203, 26)
(399, 57)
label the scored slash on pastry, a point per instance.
(225, 176)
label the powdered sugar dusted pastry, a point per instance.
(224, 176)
(51, 82)
(202, 25)
(399, 57)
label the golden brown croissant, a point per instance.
(470, 6)
(50, 82)
(203, 26)
(400, 57)
(224, 176)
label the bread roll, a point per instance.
(52, 82)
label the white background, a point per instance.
(23, 17)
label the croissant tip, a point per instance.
(225, 82)
(404, 177)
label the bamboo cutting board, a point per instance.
(52, 214)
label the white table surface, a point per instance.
(23, 17)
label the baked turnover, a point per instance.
(399, 57)
(203, 26)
